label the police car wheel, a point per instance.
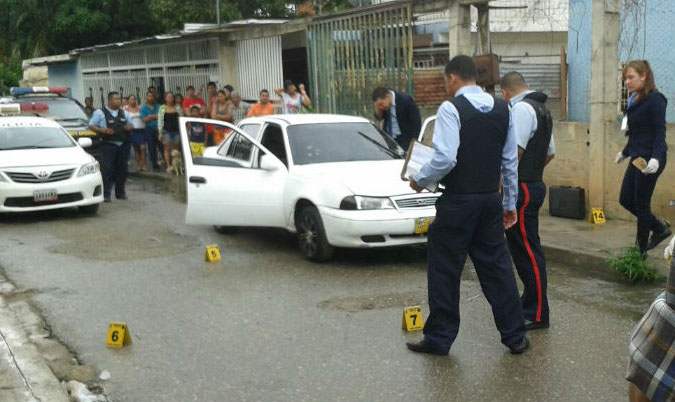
(226, 229)
(312, 235)
(89, 209)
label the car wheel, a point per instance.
(226, 229)
(89, 209)
(312, 236)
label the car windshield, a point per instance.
(60, 109)
(33, 137)
(340, 142)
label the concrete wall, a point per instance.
(579, 60)
(67, 75)
(571, 168)
(228, 63)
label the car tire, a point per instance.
(225, 230)
(312, 238)
(89, 209)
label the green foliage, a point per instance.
(33, 28)
(10, 73)
(632, 267)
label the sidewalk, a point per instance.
(24, 373)
(585, 246)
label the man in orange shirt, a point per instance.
(262, 108)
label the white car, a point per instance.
(42, 167)
(333, 180)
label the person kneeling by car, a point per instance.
(113, 124)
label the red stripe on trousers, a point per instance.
(523, 233)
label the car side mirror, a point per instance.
(85, 142)
(269, 163)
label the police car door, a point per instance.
(240, 184)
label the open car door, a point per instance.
(427, 132)
(241, 185)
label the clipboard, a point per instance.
(418, 155)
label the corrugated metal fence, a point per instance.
(132, 71)
(352, 53)
(260, 66)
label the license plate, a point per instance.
(45, 195)
(422, 225)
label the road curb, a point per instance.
(20, 356)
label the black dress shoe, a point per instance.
(658, 238)
(519, 348)
(426, 347)
(530, 325)
(122, 197)
(107, 199)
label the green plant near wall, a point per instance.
(632, 267)
(10, 73)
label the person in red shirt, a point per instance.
(191, 99)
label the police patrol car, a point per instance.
(42, 167)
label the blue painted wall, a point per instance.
(646, 32)
(67, 75)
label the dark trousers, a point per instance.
(154, 145)
(525, 247)
(636, 196)
(115, 167)
(470, 224)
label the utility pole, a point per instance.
(218, 12)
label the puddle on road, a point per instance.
(380, 302)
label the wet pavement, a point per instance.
(266, 325)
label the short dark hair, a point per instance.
(112, 94)
(211, 84)
(189, 87)
(379, 93)
(229, 87)
(463, 67)
(264, 91)
(512, 80)
(288, 84)
(194, 107)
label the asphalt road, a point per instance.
(265, 325)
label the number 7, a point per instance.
(414, 319)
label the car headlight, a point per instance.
(2, 178)
(89, 168)
(355, 202)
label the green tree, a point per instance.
(10, 73)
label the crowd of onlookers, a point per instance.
(156, 132)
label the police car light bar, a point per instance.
(37, 90)
(8, 109)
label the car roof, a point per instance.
(312, 118)
(27, 121)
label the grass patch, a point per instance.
(632, 267)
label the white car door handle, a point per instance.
(197, 180)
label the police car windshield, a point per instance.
(340, 142)
(13, 138)
(59, 109)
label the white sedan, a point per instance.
(333, 180)
(42, 167)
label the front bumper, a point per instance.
(74, 192)
(376, 228)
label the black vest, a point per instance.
(479, 157)
(531, 165)
(117, 124)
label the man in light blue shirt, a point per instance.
(534, 132)
(112, 123)
(475, 146)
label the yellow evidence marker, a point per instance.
(597, 216)
(412, 318)
(118, 335)
(212, 253)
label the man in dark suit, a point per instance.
(400, 114)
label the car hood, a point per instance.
(44, 157)
(370, 178)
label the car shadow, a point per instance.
(51, 215)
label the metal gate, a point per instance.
(132, 71)
(260, 66)
(352, 53)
